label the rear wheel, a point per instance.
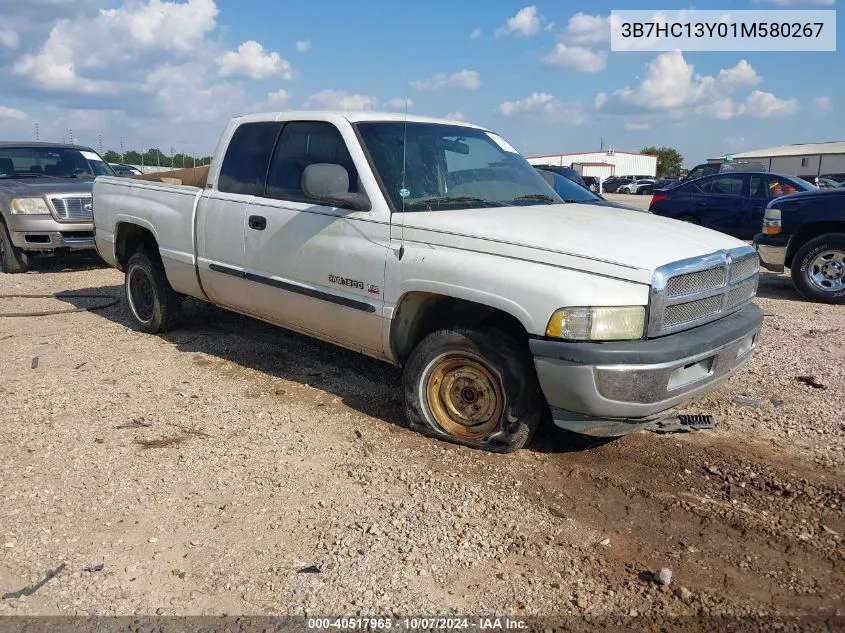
(154, 305)
(818, 269)
(12, 258)
(473, 387)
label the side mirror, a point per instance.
(327, 182)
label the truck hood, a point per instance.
(20, 187)
(604, 240)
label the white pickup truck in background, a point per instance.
(435, 246)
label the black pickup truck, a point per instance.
(805, 232)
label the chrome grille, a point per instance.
(72, 208)
(742, 292)
(691, 310)
(695, 282)
(695, 291)
(744, 268)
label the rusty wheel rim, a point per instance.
(463, 396)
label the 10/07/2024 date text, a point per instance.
(411, 624)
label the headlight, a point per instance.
(598, 324)
(29, 206)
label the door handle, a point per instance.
(257, 222)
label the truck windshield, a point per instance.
(426, 166)
(57, 162)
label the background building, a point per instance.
(602, 164)
(807, 159)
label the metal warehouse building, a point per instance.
(807, 159)
(602, 164)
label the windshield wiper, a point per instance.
(541, 197)
(439, 200)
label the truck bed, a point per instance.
(168, 211)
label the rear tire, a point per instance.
(13, 260)
(473, 387)
(153, 303)
(818, 269)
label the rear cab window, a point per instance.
(247, 157)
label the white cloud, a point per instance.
(583, 29)
(455, 116)
(600, 100)
(671, 82)
(8, 38)
(475, 34)
(252, 61)
(12, 113)
(463, 79)
(171, 25)
(546, 107)
(740, 75)
(127, 37)
(577, 58)
(526, 23)
(822, 106)
(278, 98)
(722, 109)
(303, 46)
(339, 100)
(637, 127)
(765, 105)
(398, 104)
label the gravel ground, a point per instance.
(233, 467)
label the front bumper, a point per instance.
(772, 251)
(44, 233)
(615, 388)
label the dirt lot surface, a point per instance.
(210, 470)
(638, 201)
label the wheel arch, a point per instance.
(131, 237)
(808, 232)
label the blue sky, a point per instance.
(170, 73)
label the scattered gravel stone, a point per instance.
(664, 576)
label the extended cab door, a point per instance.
(315, 267)
(221, 225)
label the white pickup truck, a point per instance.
(435, 246)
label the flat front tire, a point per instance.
(473, 387)
(154, 305)
(818, 269)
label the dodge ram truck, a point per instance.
(434, 245)
(45, 200)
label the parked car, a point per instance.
(637, 186)
(567, 172)
(732, 203)
(805, 232)
(433, 245)
(45, 200)
(708, 169)
(570, 191)
(612, 184)
(591, 183)
(660, 183)
(125, 170)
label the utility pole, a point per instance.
(601, 143)
(122, 153)
(36, 132)
(100, 140)
(72, 140)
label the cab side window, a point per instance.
(245, 163)
(304, 143)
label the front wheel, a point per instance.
(12, 258)
(818, 269)
(473, 387)
(153, 303)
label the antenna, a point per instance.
(403, 193)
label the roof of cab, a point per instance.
(353, 116)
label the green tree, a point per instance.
(111, 156)
(132, 157)
(669, 160)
